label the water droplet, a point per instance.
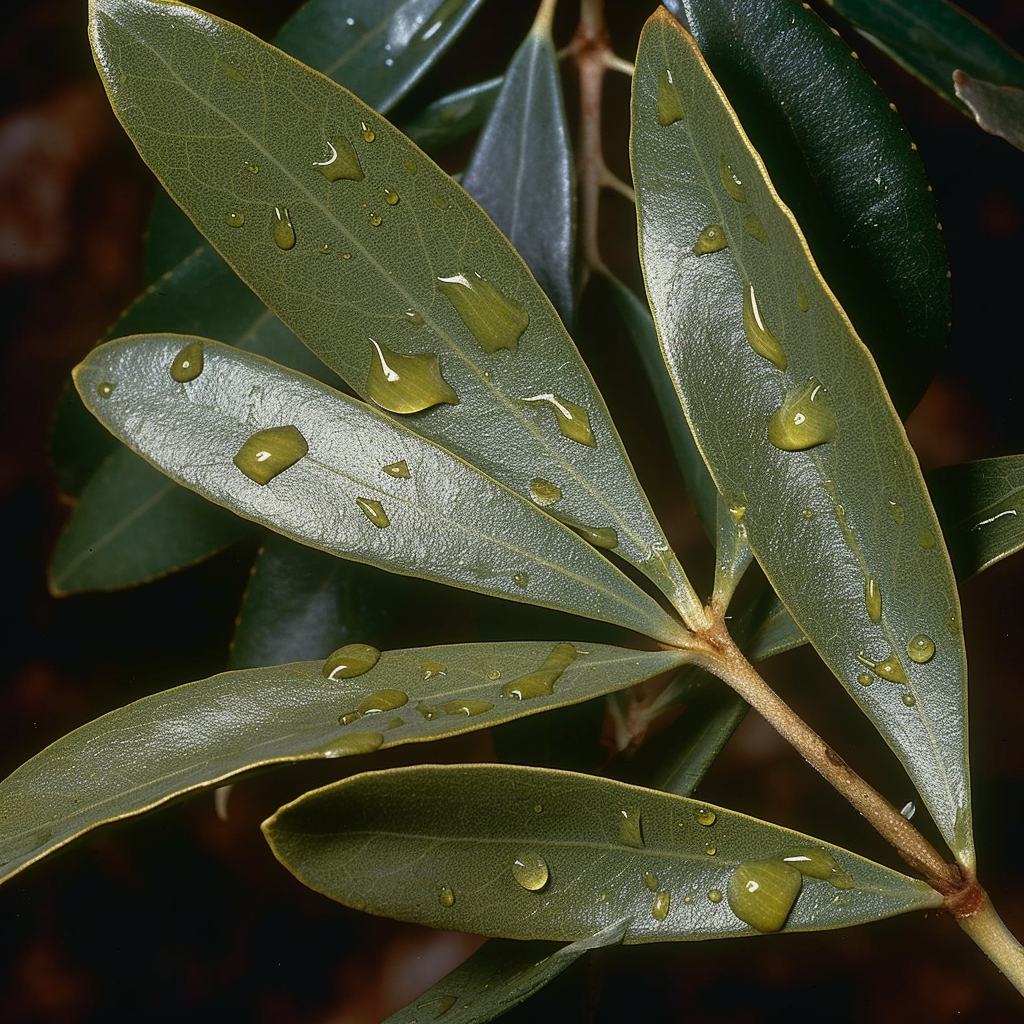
(427, 711)
(530, 870)
(909, 699)
(495, 320)
(284, 231)
(342, 163)
(494, 675)
(807, 513)
(410, 166)
(711, 239)
(346, 255)
(234, 218)
(761, 340)
(926, 539)
(413, 316)
(813, 862)
(383, 700)
(801, 298)
(446, 897)
(390, 196)
(873, 599)
(865, 678)
(731, 180)
(325, 249)
(715, 895)
(670, 103)
(737, 512)
(374, 511)
(270, 452)
(188, 363)
(252, 168)
(466, 707)
(350, 661)
(890, 668)
(349, 717)
(406, 383)
(399, 470)
(805, 419)
(762, 893)
(544, 493)
(542, 681)
(354, 743)
(600, 537)
(631, 827)
(921, 648)
(711, 850)
(573, 421)
(659, 908)
(520, 579)
(440, 202)
(444, 1004)
(368, 133)
(105, 389)
(433, 668)
(232, 72)
(376, 220)
(651, 881)
(908, 810)
(706, 817)
(753, 227)
(896, 511)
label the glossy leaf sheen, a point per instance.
(824, 521)
(453, 117)
(198, 127)
(389, 842)
(204, 733)
(448, 522)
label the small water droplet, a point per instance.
(399, 470)
(376, 220)
(761, 340)
(706, 817)
(753, 227)
(350, 661)
(670, 103)
(530, 870)
(440, 202)
(493, 674)
(444, 1004)
(897, 512)
(349, 717)
(520, 579)
(600, 537)
(234, 218)
(391, 197)
(909, 699)
(446, 897)
(346, 255)
(341, 163)
(374, 511)
(921, 648)
(414, 316)
(573, 421)
(284, 230)
(427, 711)
(368, 133)
(406, 383)
(325, 249)
(873, 599)
(711, 851)
(544, 493)
(383, 700)
(542, 681)
(495, 320)
(354, 743)
(813, 862)
(433, 668)
(631, 829)
(711, 239)
(801, 298)
(805, 419)
(232, 72)
(762, 893)
(469, 708)
(252, 168)
(270, 452)
(651, 881)
(926, 539)
(659, 908)
(865, 678)
(410, 165)
(715, 895)
(807, 513)
(731, 180)
(890, 668)
(188, 363)
(105, 389)
(908, 810)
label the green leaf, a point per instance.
(521, 170)
(498, 976)
(796, 427)
(204, 733)
(428, 274)
(933, 38)
(452, 117)
(842, 160)
(981, 505)
(288, 452)
(534, 853)
(998, 109)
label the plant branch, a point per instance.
(993, 938)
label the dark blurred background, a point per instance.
(180, 916)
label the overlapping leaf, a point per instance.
(541, 854)
(206, 732)
(792, 419)
(454, 116)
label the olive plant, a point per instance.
(440, 423)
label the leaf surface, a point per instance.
(792, 418)
(535, 853)
(427, 273)
(204, 733)
(998, 109)
(452, 117)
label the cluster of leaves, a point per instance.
(337, 260)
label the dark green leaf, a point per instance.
(453, 117)
(539, 854)
(842, 161)
(998, 109)
(796, 427)
(206, 732)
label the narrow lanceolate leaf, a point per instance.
(534, 853)
(841, 159)
(981, 505)
(453, 117)
(521, 170)
(500, 975)
(931, 39)
(206, 732)
(329, 471)
(998, 109)
(795, 425)
(371, 254)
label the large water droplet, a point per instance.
(354, 743)
(600, 537)
(495, 320)
(921, 648)
(383, 700)
(446, 897)
(406, 383)
(270, 452)
(399, 470)
(234, 218)
(530, 870)
(805, 419)
(573, 421)
(631, 827)
(873, 599)
(813, 862)
(283, 230)
(350, 661)
(470, 708)
(890, 668)
(711, 239)
(544, 493)
(542, 681)
(374, 511)
(188, 363)
(731, 180)
(761, 340)
(670, 103)
(341, 163)
(659, 908)
(762, 893)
